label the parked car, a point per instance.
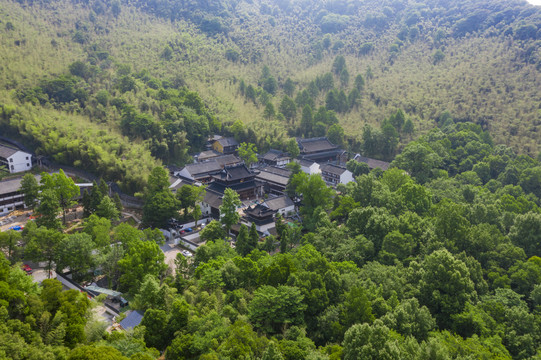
(189, 229)
(182, 231)
(27, 269)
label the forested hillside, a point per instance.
(439, 262)
(110, 65)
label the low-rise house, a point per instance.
(15, 160)
(320, 150)
(201, 172)
(225, 145)
(210, 205)
(334, 174)
(274, 179)
(11, 197)
(261, 216)
(206, 155)
(308, 166)
(372, 163)
(238, 178)
(282, 205)
(276, 158)
(133, 319)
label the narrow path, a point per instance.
(132, 216)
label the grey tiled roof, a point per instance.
(333, 169)
(315, 145)
(203, 168)
(228, 141)
(12, 185)
(372, 163)
(6, 151)
(274, 155)
(213, 199)
(132, 320)
(266, 176)
(280, 202)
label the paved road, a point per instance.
(170, 251)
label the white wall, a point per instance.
(346, 177)
(185, 173)
(20, 161)
(286, 210)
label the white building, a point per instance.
(15, 160)
(334, 175)
(308, 166)
(282, 205)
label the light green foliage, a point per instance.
(64, 188)
(107, 209)
(228, 210)
(48, 209)
(315, 193)
(526, 232)
(9, 243)
(99, 228)
(248, 153)
(213, 231)
(273, 307)
(410, 319)
(75, 253)
(142, 258)
(445, 286)
(30, 189)
(42, 244)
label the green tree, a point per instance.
(107, 209)
(293, 148)
(155, 321)
(269, 111)
(445, 286)
(30, 189)
(142, 258)
(307, 121)
(228, 210)
(288, 108)
(410, 319)
(159, 208)
(248, 153)
(99, 228)
(118, 203)
(359, 82)
(241, 246)
(64, 188)
(289, 87)
(272, 308)
(272, 352)
(526, 233)
(213, 231)
(75, 253)
(336, 134)
(42, 244)
(48, 209)
(9, 243)
(356, 308)
(338, 65)
(371, 342)
(315, 193)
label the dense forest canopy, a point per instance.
(435, 258)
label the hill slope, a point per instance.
(479, 62)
